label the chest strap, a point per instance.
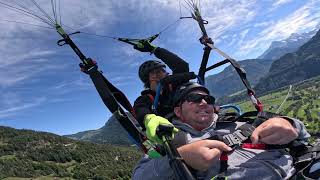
(243, 132)
(238, 138)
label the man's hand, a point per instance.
(152, 121)
(274, 131)
(144, 46)
(200, 155)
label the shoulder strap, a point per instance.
(243, 132)
(306, 161)
(151, 97)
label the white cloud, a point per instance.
(303, 19)
(122, 79)
(10, 99)
(278, 3)
(263, 24)
(68, 86)
(22, 106)
(20, 73)
(221, 19)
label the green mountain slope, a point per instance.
(293, 67)
(111, 133)
(30, 154)
(228, 81)
(289, 69)
(303, 103)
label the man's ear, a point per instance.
(177, 111)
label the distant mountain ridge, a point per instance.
(289, 69)
(111, 133)
(293, 67)
(228, 82)
(289, 45)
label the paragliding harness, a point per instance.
(306, 156)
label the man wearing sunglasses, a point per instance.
(196, 120)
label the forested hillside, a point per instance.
(111, 133)
(228, 81)
(30, 154)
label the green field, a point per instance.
(302, 103)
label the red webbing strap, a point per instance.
(223, 167)
(150, 97)
(253, 146)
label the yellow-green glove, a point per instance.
(151, 122)
(144, 46)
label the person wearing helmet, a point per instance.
(198, 126)
(150, 73)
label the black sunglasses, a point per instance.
(197, 98)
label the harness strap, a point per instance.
(308, 170)
(242, 133)
(314, 149)
(150, 97)
(253, 146)
(239, 138)
(204, 62)
(223, 166)
(235, 138)
(156, 99)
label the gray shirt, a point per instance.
(243, 163)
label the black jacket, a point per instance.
(143, 104)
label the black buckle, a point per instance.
(235, 138)
(89, 66)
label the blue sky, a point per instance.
(41, 85)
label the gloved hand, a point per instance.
(144, 46)
(152, 121)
